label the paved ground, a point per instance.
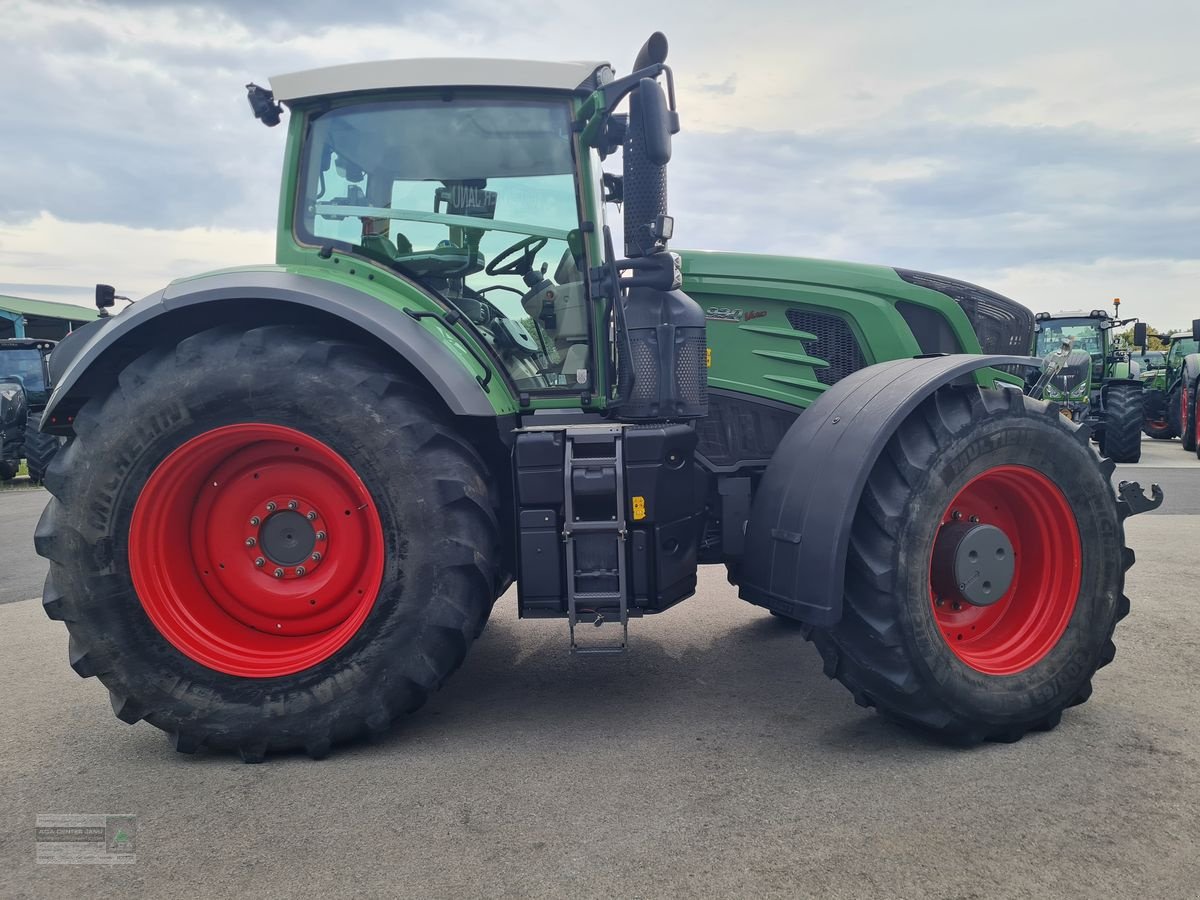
(22, 572)
(714, 760)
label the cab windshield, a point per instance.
(1181, 348)
(1086, 333)
(24, 366)
(473, 198)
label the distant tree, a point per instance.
(1126, 337)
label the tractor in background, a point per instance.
(24, 392)
(1169, 397)
(319, 475)
(1100, 385)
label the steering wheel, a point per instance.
(527, 247)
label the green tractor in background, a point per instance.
(291, 493)
(24, 392)
(1169, 397)
(1100, 384)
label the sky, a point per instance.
(1047, 150)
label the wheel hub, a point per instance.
(973, 563)
(287, 538)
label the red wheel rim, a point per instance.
(1020, 628)
(220, 552)
(1183, 410)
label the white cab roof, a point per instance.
(394, 74)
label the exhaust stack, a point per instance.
(645, 178)
(663, 367)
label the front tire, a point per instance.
(39, 448)
(1158, 431)
(263, 646)
(1187, 418)
(1123, 424)
(1173, 403)
(9, 469)
(963, 671)
(1196, 422)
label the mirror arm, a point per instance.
(602, 101)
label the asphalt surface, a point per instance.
(713, 760)
(22, 572)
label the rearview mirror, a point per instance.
(657, 121)
(106, 296)
(1140, 337)
(1196, 329)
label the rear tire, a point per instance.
(39, 448)
(434, 553)
(9, 469)
(897, 650)
(1123, 424)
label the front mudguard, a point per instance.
(799, 528)
(1115, 382)
(1189, 372)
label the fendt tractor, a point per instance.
(1100, 385)
(24, 392)
(1170, 399)
(291, 493)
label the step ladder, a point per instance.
(608, 521)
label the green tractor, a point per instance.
(1169, 390)
(1099, 385)
(24, 392)
(291, 493)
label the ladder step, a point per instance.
(583, 462)
(611, 650)
(593, 527)
(598, 595)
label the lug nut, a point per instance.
(316, 557)
(957, 514)
(974, 519)
(271, 507)
(300, 570)
(957, 606)
(260, 562)
(320, 535)
(278, 573)
(940, 602)
(292, 504)
(254, 520)
(312, 515)
(250, 542)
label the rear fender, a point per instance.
(98, 347)
(799, 528)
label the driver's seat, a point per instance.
(570, 314)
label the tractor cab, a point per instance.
(479, 183)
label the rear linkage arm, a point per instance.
(1132, 502)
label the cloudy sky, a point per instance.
(1049, 150)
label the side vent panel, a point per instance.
(835, 343)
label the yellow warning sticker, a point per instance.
(639, 508)
(708, 357)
